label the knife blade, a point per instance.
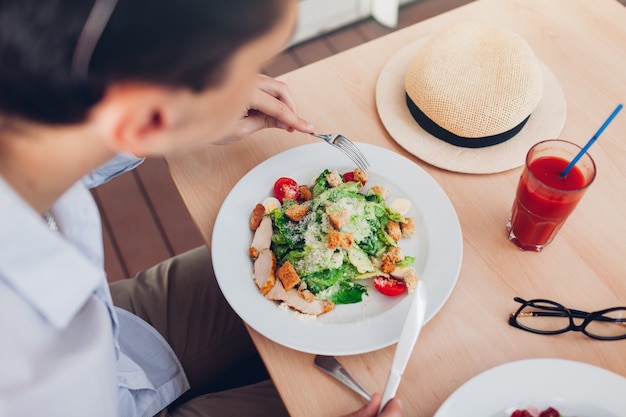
(408, 336)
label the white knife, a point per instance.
(404, 348)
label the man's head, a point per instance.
(174, 43)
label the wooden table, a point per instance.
(583, 43)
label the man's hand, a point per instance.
(271, 105)
(392, 409)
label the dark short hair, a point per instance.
(179, 43)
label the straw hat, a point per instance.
(471, 99)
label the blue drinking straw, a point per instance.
(591, 141)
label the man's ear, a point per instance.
(133, 117)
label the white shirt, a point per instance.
(64, 349)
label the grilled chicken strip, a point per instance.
(262, 237)
(265, 271)
(295, 300)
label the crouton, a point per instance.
(380, 190)
(360, 175)
(334, 237)
(305, 193)
(347, 242)
(257, 215)
(393, 230)
(297, 212)
(408, 227)
(339, 219)
(393, 255)
(338, 239)
(288, 275)
(388, 267)
(334, 179)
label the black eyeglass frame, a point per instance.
(561, 311)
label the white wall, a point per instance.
(321, 16)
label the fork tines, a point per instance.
(346, 146)
(353, 152)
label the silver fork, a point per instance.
(332, 367)
(346, 146)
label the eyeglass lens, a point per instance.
(544, 317)
(610, 324)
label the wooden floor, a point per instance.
(144, 218)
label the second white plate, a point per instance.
(573, 388)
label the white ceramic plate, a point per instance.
(573, 388)
(348, 329)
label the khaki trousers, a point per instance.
(180, 298)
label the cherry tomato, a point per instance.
(286, 188)
(550, 412)
(389, 285)
(349, 177)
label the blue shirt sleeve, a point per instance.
(123, 162)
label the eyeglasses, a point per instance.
(547, 317)
(89, 37)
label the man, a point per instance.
(86, 91)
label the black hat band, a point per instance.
(439, 132)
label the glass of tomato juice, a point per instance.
(544, 199)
